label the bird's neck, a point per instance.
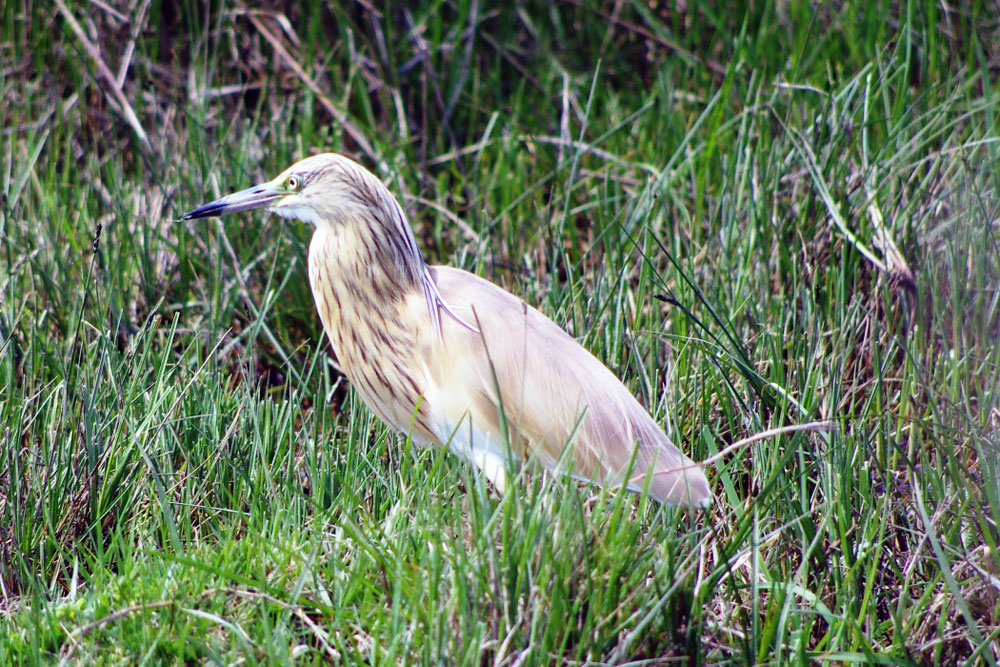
(376, 240)
(361, 273)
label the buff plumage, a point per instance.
(453, 359)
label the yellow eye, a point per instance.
(293, 182)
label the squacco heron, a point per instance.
(453, 359)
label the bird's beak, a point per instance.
(251, 199)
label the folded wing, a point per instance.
(522, 375)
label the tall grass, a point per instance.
(756, 218)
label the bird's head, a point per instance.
(322, 189)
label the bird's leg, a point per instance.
(480, 449)
(492, 465)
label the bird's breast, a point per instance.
(375, 338)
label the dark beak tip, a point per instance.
(203, 212)
(251, 199)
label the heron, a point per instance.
(454, 360)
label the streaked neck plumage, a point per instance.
(375, 294)
(365, 273)
(363, 236)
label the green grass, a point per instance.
(701, 196)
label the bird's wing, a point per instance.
(522, 375)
